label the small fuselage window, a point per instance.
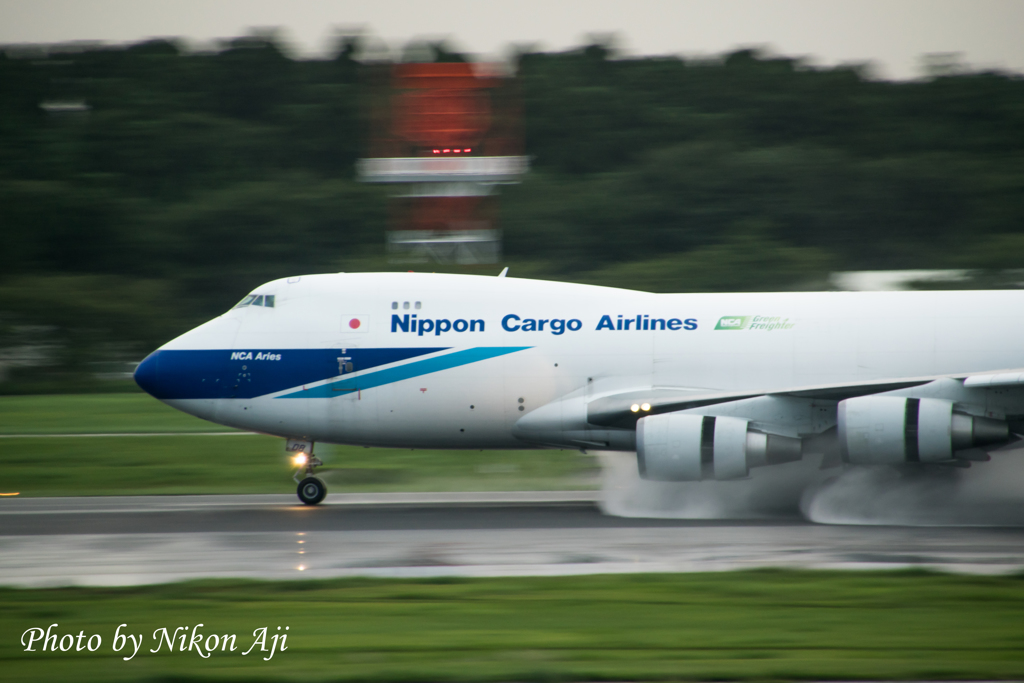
(265, 300)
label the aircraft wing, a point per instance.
(620, 410)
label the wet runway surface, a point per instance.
(269, 514)
(125, 540)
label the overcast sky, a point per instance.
(891, 34)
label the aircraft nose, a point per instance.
(147, 374)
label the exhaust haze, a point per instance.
(987, 494)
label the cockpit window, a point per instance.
(265, 300)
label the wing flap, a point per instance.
(998, 379)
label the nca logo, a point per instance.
(733, 322)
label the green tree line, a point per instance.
(144, 188)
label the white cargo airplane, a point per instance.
(701, 386)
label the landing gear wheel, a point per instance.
(311, 490)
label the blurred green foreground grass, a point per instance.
(757, 625)
(128, 413)
(181, 459)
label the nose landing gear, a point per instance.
(311, 489)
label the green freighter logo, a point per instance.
(764, 323)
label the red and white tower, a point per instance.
(446, 135)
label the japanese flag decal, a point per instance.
(355, 323)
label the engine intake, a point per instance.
(675, 447)
(888, 430)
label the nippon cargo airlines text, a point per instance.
(700, 386)
(556, 326)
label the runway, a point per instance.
(142, 540)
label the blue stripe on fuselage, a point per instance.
(407, 371)
(247, 373)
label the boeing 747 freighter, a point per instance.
(700, 386)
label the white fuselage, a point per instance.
(453, 361)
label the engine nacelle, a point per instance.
(890, 430)
(678, 447)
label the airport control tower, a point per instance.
(445, 135)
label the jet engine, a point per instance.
(889, 430)
(677, 447)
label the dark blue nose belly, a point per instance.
(186, 374)
(147, 375)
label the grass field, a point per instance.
(95, 414)
(760, 625)
(185, 462)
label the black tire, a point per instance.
(311, 490)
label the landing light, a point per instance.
(645, 407)
(635, 408)
(300, 459)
